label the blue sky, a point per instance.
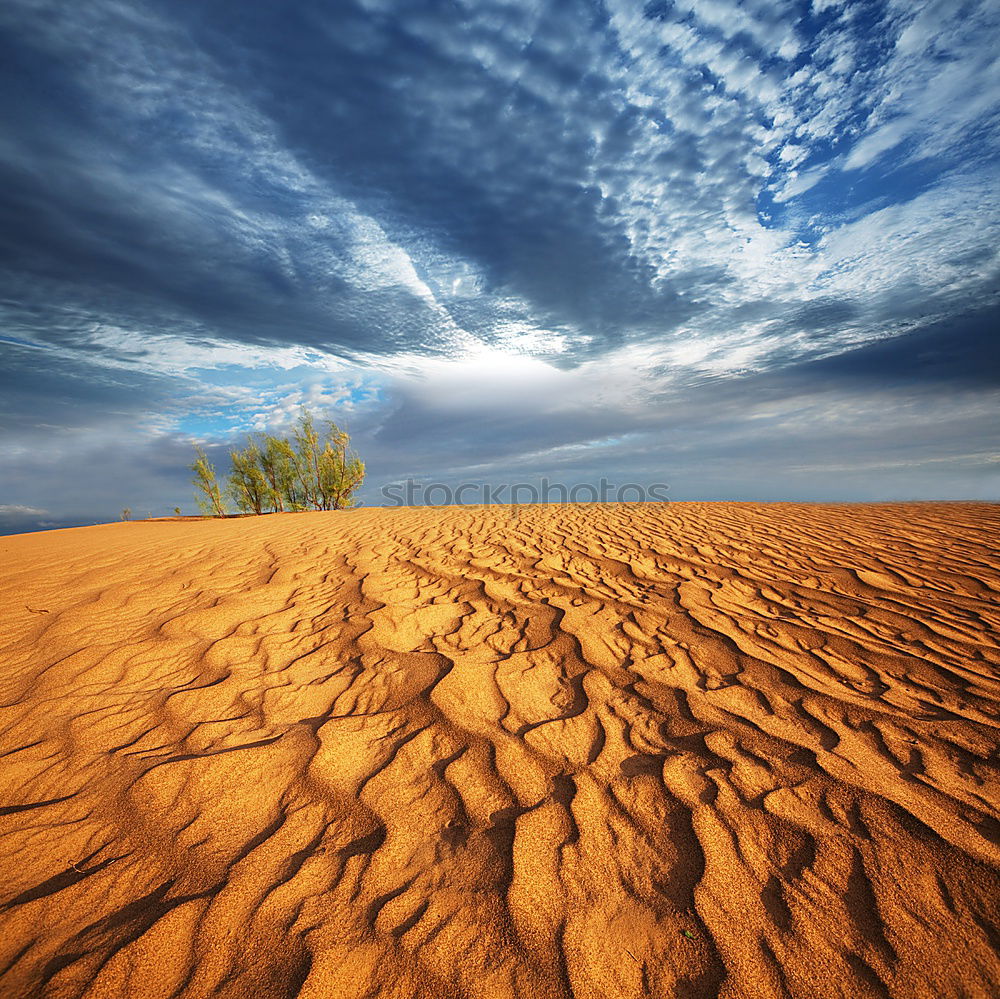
(746, 249)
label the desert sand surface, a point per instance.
(685, 750)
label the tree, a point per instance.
(307, 461)
(210, 502)
(247, 484)
(327, 470)
(277, 462)
(341, 471)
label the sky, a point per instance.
(747, 250)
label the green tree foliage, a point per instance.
(307, 444)
(277, 462)
(340, 472)
(247, 483)
(314, 469)
(209, 495)
(327, 471)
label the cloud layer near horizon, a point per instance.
(748, 249)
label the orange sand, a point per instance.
(687, 751)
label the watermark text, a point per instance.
(414, 493)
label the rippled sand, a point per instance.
(692, 750)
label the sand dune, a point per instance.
(693, 750)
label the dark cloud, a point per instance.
(962, 351)
(41, 390)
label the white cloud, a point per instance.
(798, 183)
(942, 242)
(874, 144)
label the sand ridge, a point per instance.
(687, 750)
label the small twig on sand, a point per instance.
(39, 611)
(631, 955)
